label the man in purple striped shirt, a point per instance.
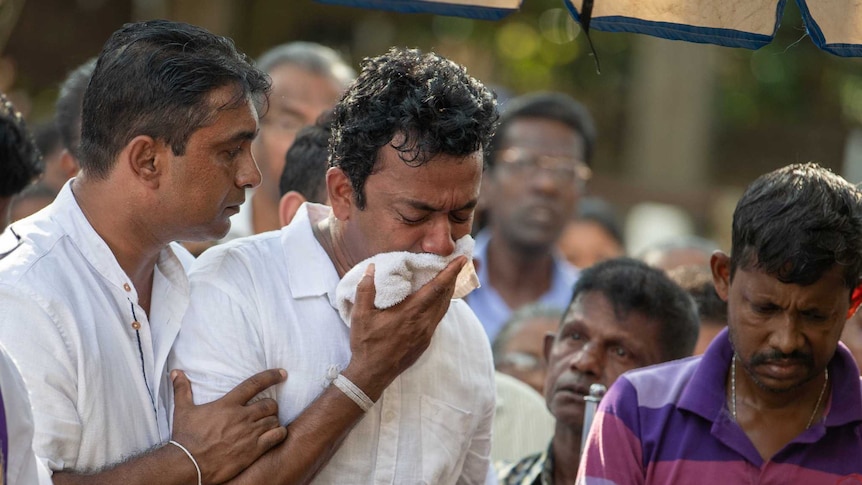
(775, 398)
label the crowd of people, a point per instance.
(221, 270)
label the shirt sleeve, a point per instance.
(219, 344)
(613, 452)
(29, 331)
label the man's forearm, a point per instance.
(311, 441)
(166, 465)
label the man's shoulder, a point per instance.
(252, 253)
(661, 384)
(522, 471)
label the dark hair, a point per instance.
(517, 320)
(428, 99)
(69, 104)
(306, 161)
(796, 223)
(550, 106)
(594, 209)
(155, 78)
(20, 160)
(47, 138)
(632, 286)
(312, 57)
(697, 281)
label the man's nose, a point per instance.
(248, 174)
(438, 238)
(588, 360)
(786, 336)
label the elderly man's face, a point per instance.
(595, 345)
(783, 334)
(420, 209)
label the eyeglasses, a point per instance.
(521, 361)
(563, 169)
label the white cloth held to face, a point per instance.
(399, 274)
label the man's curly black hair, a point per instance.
(429, 100)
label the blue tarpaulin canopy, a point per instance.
(834, 25)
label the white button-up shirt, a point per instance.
(269, 301)
(20, 465)
(93, 360)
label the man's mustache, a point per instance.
(777, 355)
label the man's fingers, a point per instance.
(267, 423)
(442, 287)
(272, 437)
(262, 408)
(254, 385)
(365, 290)
(182, 390)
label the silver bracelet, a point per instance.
(353, 392)
(192, 458)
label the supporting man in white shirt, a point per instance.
(406, 165)
(92, 296)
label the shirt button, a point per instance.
(388, 416)
(127, 287)
(136, 325)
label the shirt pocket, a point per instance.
(446, 432)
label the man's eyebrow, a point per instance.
(243, 135)
(422, 206)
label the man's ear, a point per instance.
(288, 205)
(146, 159)
(340, 192)
(719, 263)
(548, 345)
(68, 164)
(855, 300)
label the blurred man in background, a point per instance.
(307, 79)
(536, 172)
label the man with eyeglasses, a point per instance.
(535, 174)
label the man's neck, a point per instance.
(329, 233)
(131, 240)
(566, 449)
(517, 276)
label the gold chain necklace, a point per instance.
(733, 393)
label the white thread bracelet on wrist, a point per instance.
(192, 458)
(353, 392)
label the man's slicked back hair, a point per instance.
(796, 223)
(430, 100)
(632, 286)
(312, 57)
(155, 78)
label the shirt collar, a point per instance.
(563, 272)
(310, 270)
(67, 213)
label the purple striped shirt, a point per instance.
(668, 424)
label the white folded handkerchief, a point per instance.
(399, 274)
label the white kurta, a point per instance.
(98, 387)
(269, 301)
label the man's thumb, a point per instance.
(182, 389)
